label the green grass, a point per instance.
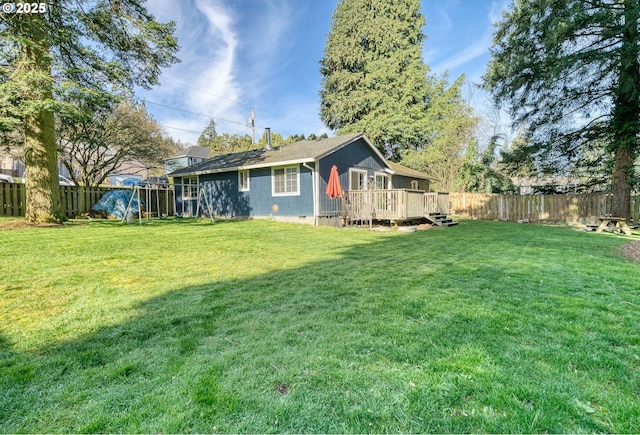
(258, 326)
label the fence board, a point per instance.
(76, 200)
(582, 208)
(12, 197)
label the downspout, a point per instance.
(315, 193)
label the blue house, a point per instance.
(186, 157)
(289, 182)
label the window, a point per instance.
(189, 187)
(382, 181)
(357, 179)
(243, 180)
(285, 181)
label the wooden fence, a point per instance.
(77, 200)
(583, 208)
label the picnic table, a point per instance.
(618, 225)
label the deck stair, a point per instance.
(440, 220)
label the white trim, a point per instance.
(315, 193)
(353, 171)
(242, 168)
(349, 142)
(189, 185)
(385, 176)
(273, 180)
(240, 187)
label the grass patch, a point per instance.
(259, 326)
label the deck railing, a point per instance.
(394, 204)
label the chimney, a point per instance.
(267, 131)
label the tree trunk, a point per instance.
(625, 123)
(621, 190)
(41, 174)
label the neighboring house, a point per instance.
(186, 157)
(130, 169)
(289, 182)
(11, 162)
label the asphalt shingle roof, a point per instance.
(303, 151)
(193, 151)
(407, 172)
(298, 152)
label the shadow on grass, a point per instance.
(409, 333)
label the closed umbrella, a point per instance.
(333, 186)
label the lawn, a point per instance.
(257, 326)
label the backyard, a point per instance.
(264, 327)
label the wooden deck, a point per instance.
(395, 205)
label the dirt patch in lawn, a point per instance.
(631, 250)
(21, 223)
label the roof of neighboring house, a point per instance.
(298, 152)
(408, 172)
(194, 151)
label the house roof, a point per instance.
(298, 152)
(193, 151)
(407, 172)
(305, 151)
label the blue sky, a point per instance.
(264, 54)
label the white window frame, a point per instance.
(415, 184)
(384, 177)
(291, 175)
(357, 173)
(244, 180)
(189, 187)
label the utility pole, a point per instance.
(251, 122)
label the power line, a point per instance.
(197, 132)
(196, 113)
(181, 129)
(238, 102)
(201, 90)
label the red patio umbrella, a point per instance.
(333, 186)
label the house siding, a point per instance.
(404, 182)
(226, 201)
(357, 155)
(171, 165)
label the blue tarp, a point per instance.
(115, 203)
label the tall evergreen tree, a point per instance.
(68, 52)
(479, 171)
(449, 126)
(374, 79)
(569, 71)
(517, 160)
(207, 138)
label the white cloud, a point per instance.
(230, 57)
(469, 57)
(441, 19)
(497, 8)
(474, 51)
(213, 69)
